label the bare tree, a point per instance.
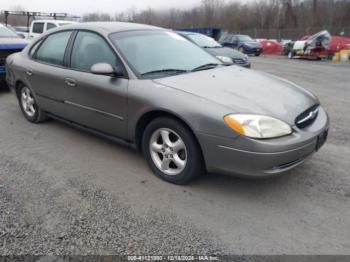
(294, 17)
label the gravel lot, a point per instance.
(63, 191)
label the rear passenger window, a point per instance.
(50, 26)
(89, 49)
(34, 48)
(53, 48)
(38, 28)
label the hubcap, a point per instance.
(168, 151)
(28, 102)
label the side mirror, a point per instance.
(105, 69)
(21, 35)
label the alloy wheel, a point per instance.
(168, 151)
(28, 102)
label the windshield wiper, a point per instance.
(170, 70)
(205, 67)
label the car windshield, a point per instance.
(160, 52)
(203, 41)
(5, 32)
(245, 38)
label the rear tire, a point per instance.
(29, 106)
(172, 151)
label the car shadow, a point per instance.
(217, 184)
(250, 188)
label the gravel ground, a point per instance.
(63, 191)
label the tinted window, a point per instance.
(225, 38)
(34, 48)
(50, 26)
(245, 38)
(89, 49)
(53, 49)
(38, 28)
(234, 39)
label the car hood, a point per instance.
(225, 51)
(13, 43)
(245, 91)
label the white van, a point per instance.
(40, 26)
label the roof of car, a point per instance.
(112, 26)
(54, 21)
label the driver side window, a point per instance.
(89, 49)
(234, 40)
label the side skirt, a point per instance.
(95, 132)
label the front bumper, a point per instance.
(258, 158)
(253, 50)
(245, 64)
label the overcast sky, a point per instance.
(79, 7)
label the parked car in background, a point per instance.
(22, 31)
(184, 109)
(10, 43)
(208, 31)
(316, 46)
(225, 54)
(243, 43)
(40, 26)
(271, 47)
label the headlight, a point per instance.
(245, 57)
(257, 126)
(225, 59)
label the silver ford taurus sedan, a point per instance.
(186, 111)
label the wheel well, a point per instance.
(18, 84)
(148, 118)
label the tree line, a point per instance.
(333, 15)
(244, 16)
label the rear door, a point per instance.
(46, 69)
(96, 101)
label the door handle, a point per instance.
(70, 82)
(29, 72)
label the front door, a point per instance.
(95, 101)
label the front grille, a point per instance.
(306, 118)
(5, 53)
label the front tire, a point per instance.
(29, 106)
(172, 151)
